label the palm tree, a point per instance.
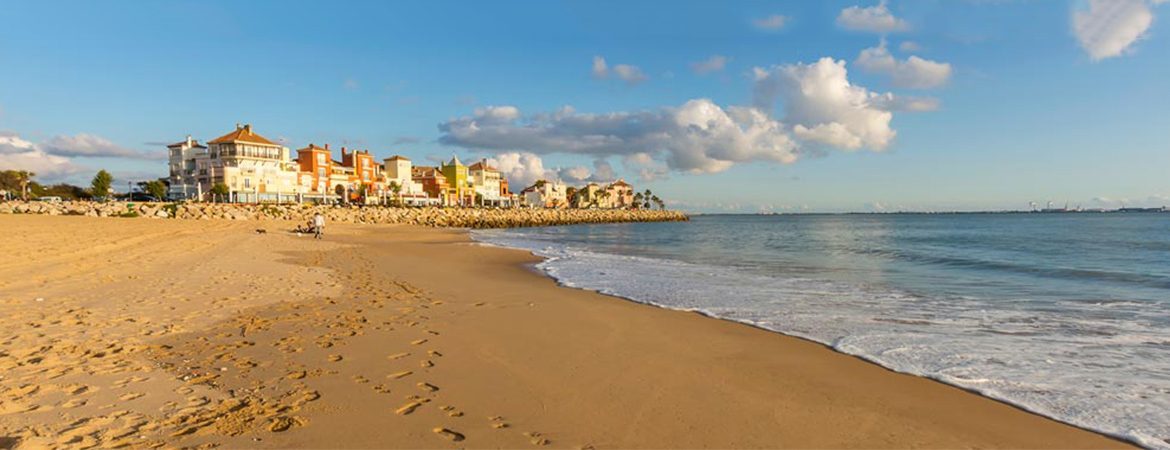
(637, 200)
(395, 188)
(659, 202)
(24, 177)
(646, 199)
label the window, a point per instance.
(321, 158)
(320, 171)
(247, 182)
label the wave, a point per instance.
(1073, 361)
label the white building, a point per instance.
(545, 194)
(254, 168)
(397, 169)
(485, 180)
(186, 179)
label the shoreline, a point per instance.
(536, 270)
(497, 355)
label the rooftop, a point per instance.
(243, 134)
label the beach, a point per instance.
(151, 333)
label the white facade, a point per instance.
(545, 194)
(397, 170)
(186, 158)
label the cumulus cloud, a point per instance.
(696, 137)
(1109, 28)
(19, 154)
(771, 23)
(873, 19)
(715, 63)
(645, 166)
(913, 72)
(889, 102)
(93, 146)
(520, 168)
(824, 107)
(629, 73)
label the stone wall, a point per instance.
(433, 217)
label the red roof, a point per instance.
(243, 134)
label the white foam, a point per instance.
(1090, 370)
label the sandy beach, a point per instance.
(169, 333)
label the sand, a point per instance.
(152, 333)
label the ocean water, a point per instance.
(1066, 315)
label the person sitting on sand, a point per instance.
(318, 225)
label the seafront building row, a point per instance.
(254, 169)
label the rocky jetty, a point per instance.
(432, 217)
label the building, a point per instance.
(457, 179)
(253, 168)
(188, 168)
(365, 177)
(398, 172)
(486, 183)
(545, 194)
(434, 184)
(316, 169)
(620, 194)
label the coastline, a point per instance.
(501, 344)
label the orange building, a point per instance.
(435, 184)
(316, 168)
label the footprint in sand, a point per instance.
(434, 353)
(335, 358)
(381, 389)
(399, 374)
(296, 375)
(418, 342)
(131, 396)
(407, 408)
(428, 387)
(535, 438)
(360, 379)
(283, 423)
(425, 363)
(398, 355)
(448, 434)
(498, 422)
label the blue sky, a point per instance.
(832, 106)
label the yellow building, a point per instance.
(456, 174)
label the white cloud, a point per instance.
(713, 64)
(914, 72)
(889, 102)
(1109, 28)
(600, 68)
(696, 137)
(19, 154)
(909, 47)
(645, 166)
(874, 19)
(630, 74)
(822, 106)
(93, 146)
(520, 168)
(771, 23)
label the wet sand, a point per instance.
(150, 333)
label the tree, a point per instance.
(219, 190)
(100, 186)
(646, 199)
(658, 201)
(637, 200)
(156, 189)
(396, 189)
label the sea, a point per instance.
(1064, 315)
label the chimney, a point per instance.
(248, 127)
(238, 125)
(326, 146)
(189, 144)
(343, 151)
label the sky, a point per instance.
(828, 106)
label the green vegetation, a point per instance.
(219, 191)
(101, 185)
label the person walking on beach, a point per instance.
(318, 225)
